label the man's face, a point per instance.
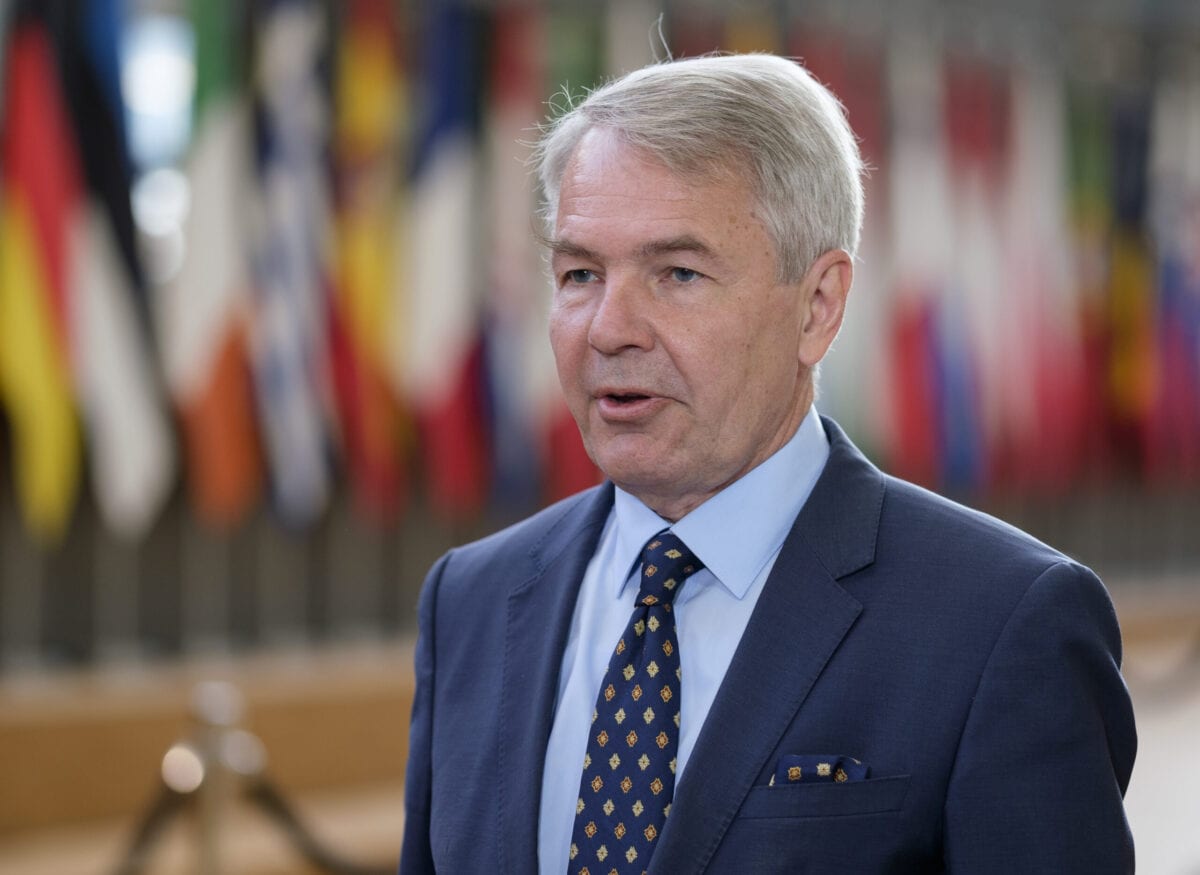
(680, 354)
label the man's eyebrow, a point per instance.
(685, 243)
(566, 247)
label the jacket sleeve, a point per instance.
(1040, 774)
(416, 853)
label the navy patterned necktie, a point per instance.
(629, 769)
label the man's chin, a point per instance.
(630, 457)
(655, 485)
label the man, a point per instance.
(748, 651)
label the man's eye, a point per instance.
(684, 274)
(579, 276)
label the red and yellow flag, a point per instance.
(39, 203)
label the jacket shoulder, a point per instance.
(936, 528)
(527, 546)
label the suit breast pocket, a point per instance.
(873, 796)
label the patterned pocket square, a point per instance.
(818, 768)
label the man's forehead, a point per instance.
(619, 202)
(605, 158)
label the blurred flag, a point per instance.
(922, 222)
(851, 388)
(753, 27)
(1091, 211)
(291, 252)
(131, 449)
(915, 452)
(1175, 220)
(691, 30)
(369, 99)
(632, 37)
(442, 365)
(973, 301)
(6, 11)
(40, 205)
(202, 313)
(1131, 305)
(520, 365)
(1043, 431)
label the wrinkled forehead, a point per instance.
(605, 162)
(622, 205)
(732, 167)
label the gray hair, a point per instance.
(759, 116)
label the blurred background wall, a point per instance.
(272, 316)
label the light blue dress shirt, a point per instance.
(737, 534)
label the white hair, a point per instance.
(759, 116)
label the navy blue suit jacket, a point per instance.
(972, 668)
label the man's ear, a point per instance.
(825, 287)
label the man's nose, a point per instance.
(622, 318)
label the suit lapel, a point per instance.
(799, 621)
(545, 599)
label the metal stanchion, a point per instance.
(206, 773)
(217, 708)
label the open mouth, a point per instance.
(627, 406)
(625, 397)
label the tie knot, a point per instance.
(666, 564)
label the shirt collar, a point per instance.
(737, 531)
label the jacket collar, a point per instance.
(543, 599)
(801, 618)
